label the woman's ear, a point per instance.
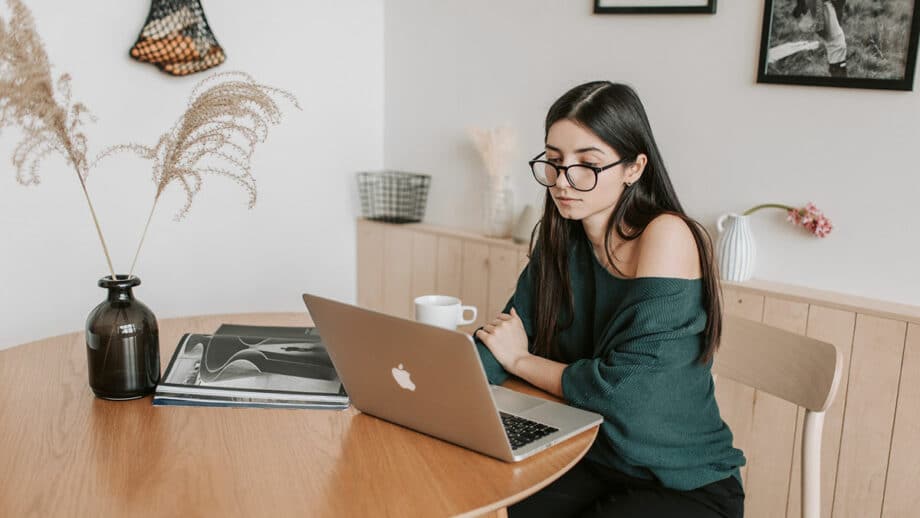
(635, 169)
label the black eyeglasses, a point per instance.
(581, 177)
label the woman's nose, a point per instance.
(561, 179)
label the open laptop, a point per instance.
(431, 380)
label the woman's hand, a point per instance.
(506, 339)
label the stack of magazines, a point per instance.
(252, 366)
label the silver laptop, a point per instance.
(431, 380)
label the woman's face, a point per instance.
(568, 143)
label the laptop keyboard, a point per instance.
(522, 432)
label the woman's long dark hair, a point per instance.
(614, 113)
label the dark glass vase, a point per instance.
(122, 343)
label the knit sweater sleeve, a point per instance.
(522, 302)
(646, 362)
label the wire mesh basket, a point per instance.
(393, 196)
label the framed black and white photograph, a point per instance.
(848, 43)
(654, 6)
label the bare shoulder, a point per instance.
(667, 248)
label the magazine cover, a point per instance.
(253, 369)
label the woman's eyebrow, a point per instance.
(582, 150)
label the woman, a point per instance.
(618, 312)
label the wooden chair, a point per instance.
(793, 367)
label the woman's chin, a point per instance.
(569, 213)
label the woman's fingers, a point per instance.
(489, 328)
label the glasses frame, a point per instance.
(565, 170)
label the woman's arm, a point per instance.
(540, 372)
(506, 339)
(667, 249)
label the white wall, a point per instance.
(729, 142)
(223, 257)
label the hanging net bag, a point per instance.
(177, 39)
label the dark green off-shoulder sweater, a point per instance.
(632, 354)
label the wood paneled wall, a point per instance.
(871, 445)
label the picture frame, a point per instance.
(840, 43)
(654, 6)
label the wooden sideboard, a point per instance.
(871, 444)
(397, 263)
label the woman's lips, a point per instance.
(566, 201)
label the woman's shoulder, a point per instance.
(667, 249)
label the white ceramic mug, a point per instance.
(442, 311)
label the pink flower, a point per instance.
(809, 217)
(822, 226)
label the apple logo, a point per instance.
(402, 377)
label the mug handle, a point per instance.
(464, 309)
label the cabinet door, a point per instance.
(397, 272)
(449, 276)
(370, 265)
(503, 275)
(868, 418)
(901, 496)
(424, 265)
(475, 288)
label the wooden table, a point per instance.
(64, 452)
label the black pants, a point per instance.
(592, 490)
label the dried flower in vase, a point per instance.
(228, 114)
(495, 147)
(42, 108)
(808, 217)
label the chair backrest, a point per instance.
(799, 369)
(793, 367)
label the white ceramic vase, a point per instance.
(498, 207)
(736, 251)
